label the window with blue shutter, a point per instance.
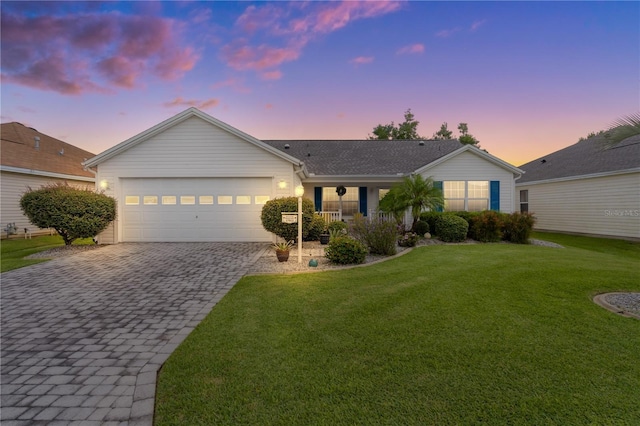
(438, 185)
(494, 195)
(317, 198)
(362, 195)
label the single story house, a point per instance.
(31, 159)
(195, 178)
(586, 188)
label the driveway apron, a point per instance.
(83, 337)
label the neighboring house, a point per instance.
(195, 178)
(30, 159)
(585, 188)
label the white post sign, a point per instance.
(289, 217)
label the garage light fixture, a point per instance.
(104, 184)
(282, 184)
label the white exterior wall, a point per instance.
(14, 185)
(468, 166)
(607, 205)
(192, 148)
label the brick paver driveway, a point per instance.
(84, 336)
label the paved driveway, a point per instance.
(83, 337)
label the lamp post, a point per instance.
(299, 191)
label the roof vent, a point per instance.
(37, 142)
(543, 161)
(287, 146)
(421, 143)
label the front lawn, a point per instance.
(447, 334)
(15, 250)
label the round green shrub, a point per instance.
(431, 217)
(72, 212)
(451, 229)
(316, 228)
(422, 227)
(271, 217)
(337, 225)
(487, 226)
(345, 250)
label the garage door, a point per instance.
(194, 209)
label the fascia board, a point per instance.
(589, 176)
(45, 174)
(473, 150)
(353, 178)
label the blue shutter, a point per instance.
(317, 198)
(362, 196)
(438, 185)
(494, 195)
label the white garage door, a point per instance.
(194, 209)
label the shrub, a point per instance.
(452, 229)
(338, 225)
(517, 227)
(377, 234)
(271, 217)
(487, 226)
(345, 250)
(72, 212)
(431, 217)
(408, 239)
(316, 228)
(421, 227)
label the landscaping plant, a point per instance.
(345, 250)
(378, 234)
(414, 192)
(518, 226)
(451, 229)
(73, 212)
(271, 217)
(486, 226)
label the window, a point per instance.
(382, 193)
(187, 199)
(262, 199)
(169, 200)
(243, 199)
(225, 199)
(206, 199)
(331, 201)
(460, 195)
(132, 200)
(150, 200)
(524, 201)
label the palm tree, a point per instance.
(413, 192)
(623, 128)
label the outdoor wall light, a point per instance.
(104, 184)
(282, 184)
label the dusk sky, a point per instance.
(529, 78)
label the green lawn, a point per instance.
(13, 251)
(492, 334)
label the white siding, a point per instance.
(14, 185)
(601, 206)
(468, 166)
(193, 148)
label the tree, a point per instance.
(271, 218)
(72, 212)
(465, 137)
(443, 134)
(623, 128)
(408, 130)
(414, 192)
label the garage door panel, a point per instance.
(195, 222)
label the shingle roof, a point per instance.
(53, 156)
(365, 157)
(586, 157)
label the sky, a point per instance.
(529, 78)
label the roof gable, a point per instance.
(20, 151)
(179, 118)
(587, 157)
(475, 151)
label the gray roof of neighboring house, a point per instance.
(586, 157)
(365, 157)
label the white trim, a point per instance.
(46, 174)
(176, 119)
(476, 151)
(589, 176)
(354, 178)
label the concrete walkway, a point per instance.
(83, 336)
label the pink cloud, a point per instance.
(246, 57)
(235, 83)
(91, 52)
(447, 33)
(205, 104)
(416, 48)
(268, 106)
(271, 75)
(477, 24)
(361, 60)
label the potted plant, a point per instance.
(324, 236)
(282, 250)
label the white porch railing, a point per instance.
(331, 216)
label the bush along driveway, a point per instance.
(84, 336)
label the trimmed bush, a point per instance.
(487, 226)
(271, 217)
(316, 228)
(337, 225)
(377, 234)
(451, 229)
(73, 212)
(345, 250)
(421, 227)
(431, 217)
(517, 227)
